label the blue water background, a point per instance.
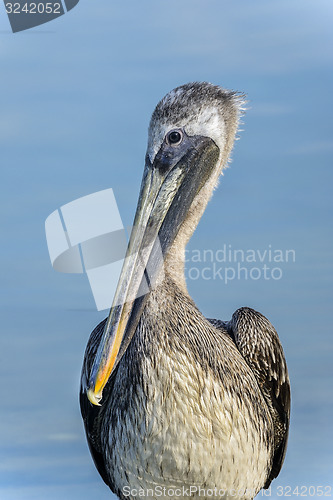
(75, 100)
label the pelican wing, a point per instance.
(259, 344)
(92, 415)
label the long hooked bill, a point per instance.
(154, 202)
(165, 198)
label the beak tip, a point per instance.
(93, 397)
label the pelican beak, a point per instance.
(168, 188)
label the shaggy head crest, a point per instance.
(200, 109)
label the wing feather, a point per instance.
(93, 415)
(259, 344)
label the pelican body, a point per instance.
(175, 404)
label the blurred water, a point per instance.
(75, 99)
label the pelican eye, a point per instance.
(175, 137)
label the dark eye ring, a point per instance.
(175, 137)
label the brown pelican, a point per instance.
(175, 404)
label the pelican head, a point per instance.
(191, 134)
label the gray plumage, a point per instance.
(191, 401)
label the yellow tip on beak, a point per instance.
(94, 398)
(105, 368)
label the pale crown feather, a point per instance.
(200, 109)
